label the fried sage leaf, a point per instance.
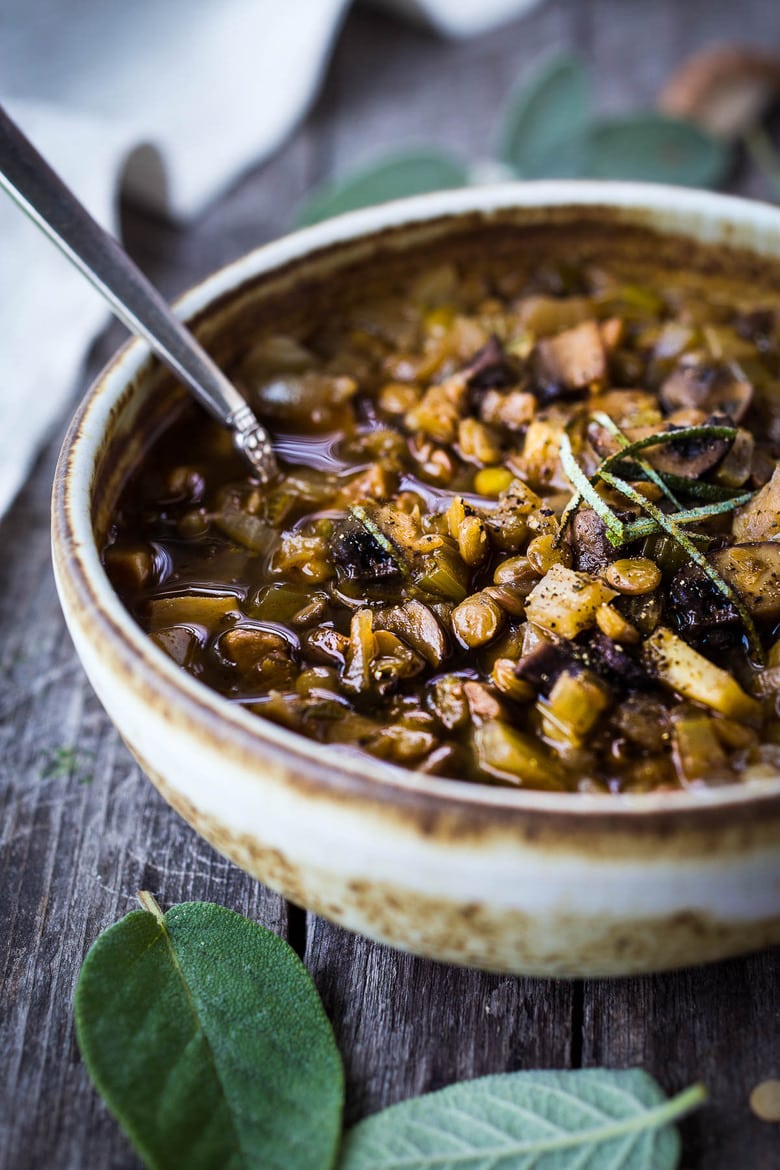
(205, 1034)
(588, 1118)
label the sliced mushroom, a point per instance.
(716, 389)
(393, 662)
(179, 642)
(756, 325)
(760, 519)
(311, 400)
(753, 570)
(643, 720)
(737, 466)
(691, 457)
(247, 646)
(684, 456)
(482, 702)
(418, 626)
(326, 645)
(131, 566)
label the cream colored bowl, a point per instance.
(533, 882)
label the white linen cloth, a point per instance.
(144, 94)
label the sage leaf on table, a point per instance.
(206, 1036)
(585, 1118)
(550, 132)
(546, 125)
(414, 172)
(654, 148)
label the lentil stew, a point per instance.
(527, 529)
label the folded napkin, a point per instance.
(171, 101)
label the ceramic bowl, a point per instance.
(508, 880)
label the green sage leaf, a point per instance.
(205, 1035)
(545, 128)
(651, 147)
(413, 173)
(585, 490)
(588, 1118)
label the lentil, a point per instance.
(635, 575)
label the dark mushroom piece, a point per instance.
(752, 570)
(542, 665)
(718, 389)
(698, 610)
(643, 720)
(688, 457)
(611, 661)
(757, 325)
(491, 367)
(591, 550)
(362, 552)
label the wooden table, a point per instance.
(82, 830)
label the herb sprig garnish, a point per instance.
(620, 533)
(667, 523)
(625, 445)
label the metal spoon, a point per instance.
(31, 182)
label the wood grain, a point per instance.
(81, 830)
(408, 1026)
(718, 1024)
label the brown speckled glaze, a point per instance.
(533, 882)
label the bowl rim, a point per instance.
(704, 215)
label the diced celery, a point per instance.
(512, 756)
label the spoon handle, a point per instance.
(35, 187)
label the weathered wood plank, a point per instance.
(718, 1024)
(397, 86)
(407, 1026)
(73, 854)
